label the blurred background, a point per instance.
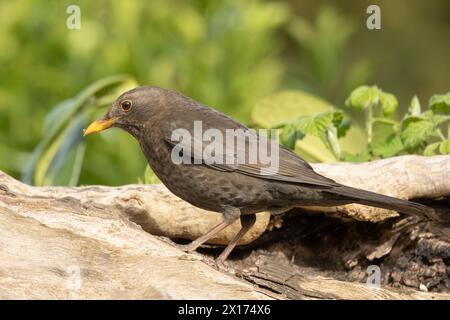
(227, 54)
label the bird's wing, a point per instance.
(236, 157)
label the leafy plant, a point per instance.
(58, 158)
(327, 126)
(309, 125)
(416, 132)
(372, 100)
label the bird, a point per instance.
(236, 189)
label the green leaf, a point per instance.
(57, 117)
(287, 105)
(62, 164)
(62, 113)
(363, 97)
(430, 149)
(307, 125)
(414, 108)
(323, 126)
(416, 131)
(388, 103)
(343, 127)
(338, 117)
(57, 157)
(409, 119)
(388, 147)
(385, 121)
(289, 136)
(279, 109)
(313, 149)
(444, 147)
(315, 125)
(333, 142)
(438, 119)
(440, 103)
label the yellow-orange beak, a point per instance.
(99, 125)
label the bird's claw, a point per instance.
(221, 266)
(188, 248)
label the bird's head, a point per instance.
(130, 110)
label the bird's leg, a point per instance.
(247, 221)
(229, 217)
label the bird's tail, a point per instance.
(381, 201)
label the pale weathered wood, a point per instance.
(286, 280)
(152, 207)
(86, 257)
(46, 234)
(405, 177)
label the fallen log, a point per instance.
(102, 242)
(405, 177)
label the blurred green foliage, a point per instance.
(236, 56)
(59, 156)
(222, 53)
(322, 46)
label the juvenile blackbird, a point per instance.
(237, 189)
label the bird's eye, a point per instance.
(125, 105)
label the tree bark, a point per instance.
(103, 242)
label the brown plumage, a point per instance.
(151, 115)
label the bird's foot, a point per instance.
(188, 248)
(221, 265)
(190, 253)
(218, 263)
